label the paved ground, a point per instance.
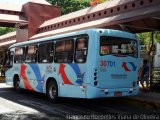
(30, 105)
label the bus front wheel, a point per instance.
(17, 84)
(52, 91)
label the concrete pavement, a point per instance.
(150, 98)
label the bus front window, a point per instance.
(118, 46)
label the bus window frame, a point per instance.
(53, 47)
(76, 39)
(24, 54)
(72, 49)
(31, 54)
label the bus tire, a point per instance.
(52, 91)
(17, 84)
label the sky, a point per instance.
(15, 1)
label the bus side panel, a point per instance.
(36, 74)
(27, 77)
(72, 91)
(9, 76)
(92, 60)
(95, 92)
(71, 79)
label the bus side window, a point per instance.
(19, 56)
(31, 53)
(64, 51)
(45, 52)
(81, 50)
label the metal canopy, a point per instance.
(131, 15)
(11, 20)
(140, 20)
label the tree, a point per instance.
(95, 2)
(69, 6)
(145, 37)
(4, 30)
(157, 36)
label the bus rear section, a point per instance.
(116, 73)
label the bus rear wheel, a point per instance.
(52, 91)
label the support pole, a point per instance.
(151, 57)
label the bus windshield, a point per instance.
(118, 46)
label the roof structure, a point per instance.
(116, 21)
(8, 39)
(11, 7)
(11, 20)
(126, 10)
(44, 2)
(133, 16)
(11, 34)
(86, 11)
(10, 14)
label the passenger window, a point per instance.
(19, 56)
(64, 51)
(45, 53)
(31, 53)
(81, 50)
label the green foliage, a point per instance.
(69, 6)
(4, 30)
(157, 36)
(145, 38)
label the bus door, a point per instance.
(8, 67)
(30, 68)
(118, 62)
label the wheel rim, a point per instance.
(52, 92)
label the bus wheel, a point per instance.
(17, 84)
(52, 91)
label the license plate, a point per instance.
(118, 94)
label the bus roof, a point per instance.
(110, 32)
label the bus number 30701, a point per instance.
(105, 63)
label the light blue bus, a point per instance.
(92, 63)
